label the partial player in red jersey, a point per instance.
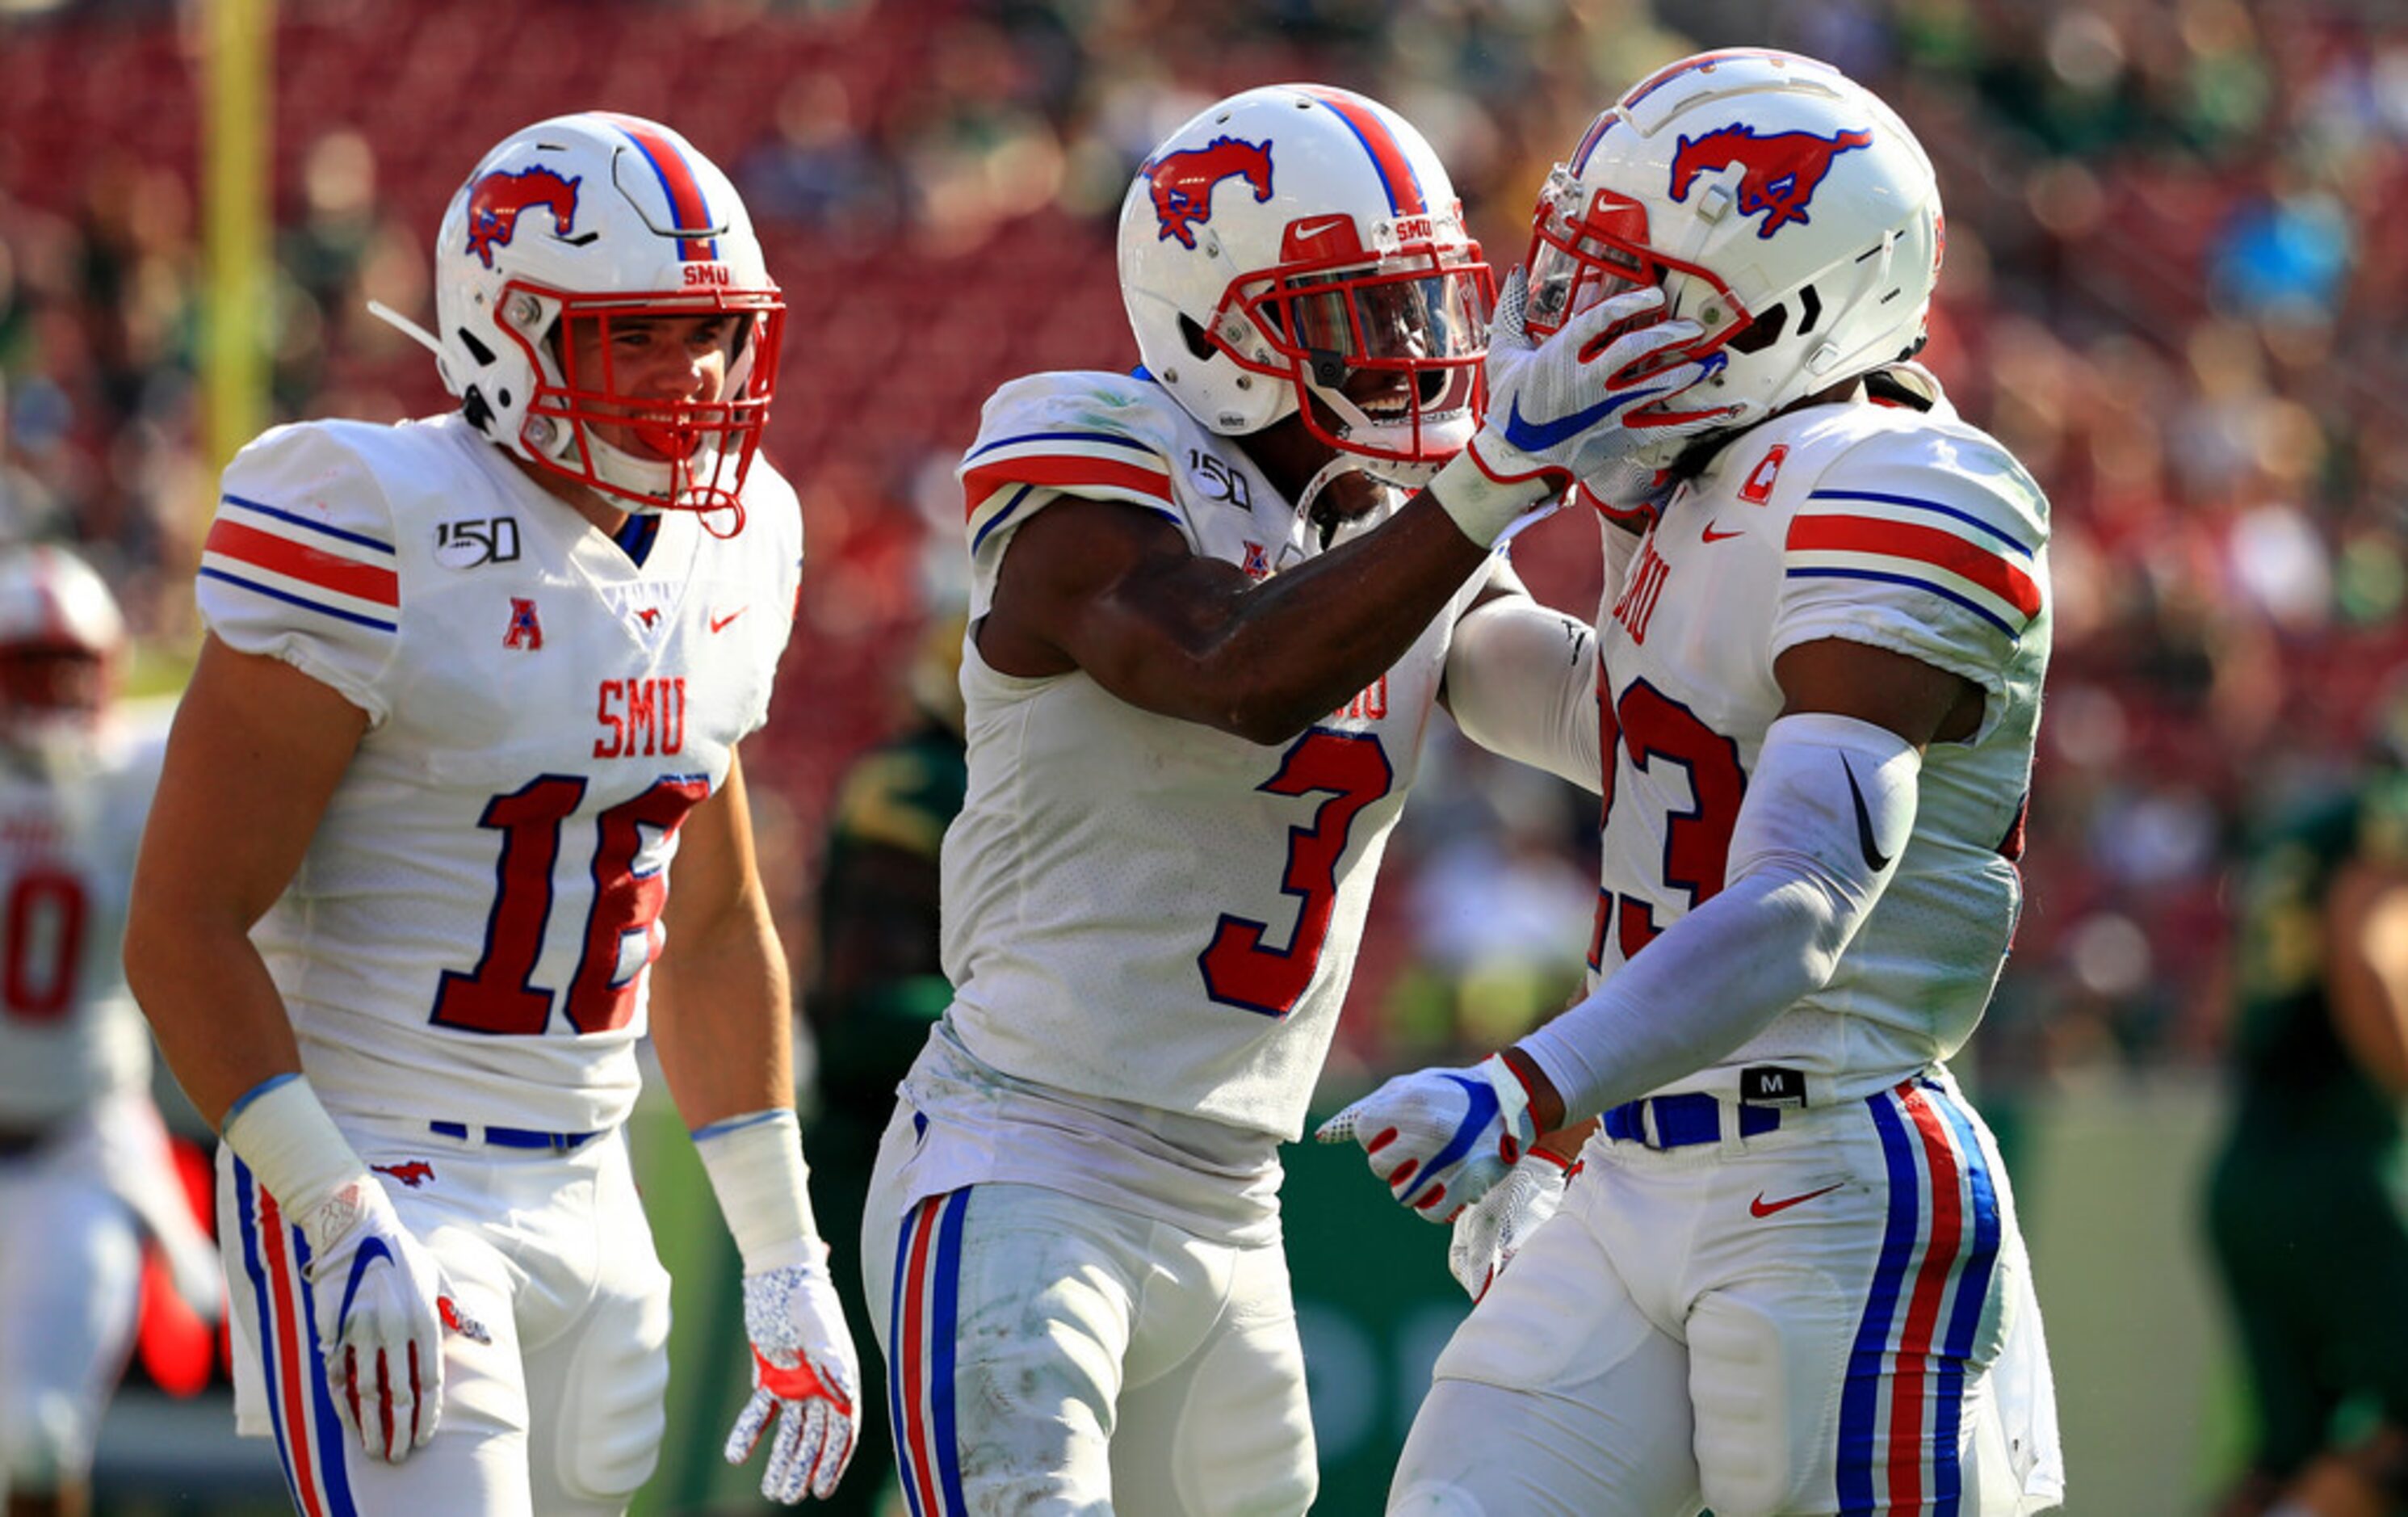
(471, 685)
(85, 1173)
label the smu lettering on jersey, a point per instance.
(1904, 529)
(69, 1031)
(467, 936)
(1138, 908)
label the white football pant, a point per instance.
(1795, 1322)
(1047, 1354)
(562, 1413)
(70, 1280)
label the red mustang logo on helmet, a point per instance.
(1183, 182)
(1782, 170)
(497, 200)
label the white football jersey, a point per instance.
(1880, 524)
(1142, 909)
(468, 935)
(69, 1030)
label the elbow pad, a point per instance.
(1830, 808)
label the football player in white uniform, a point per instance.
(1788, 1277)
(470, 684)
(84, 1167)
(1214, 603)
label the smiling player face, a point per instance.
(634, 358)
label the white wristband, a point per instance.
(755, 1164)
(284, 1134)
(1481, 503)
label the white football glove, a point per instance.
(1439, 1137)
(803, 1371)
(1492, 1230)
(381, 1308)
(1578, 404)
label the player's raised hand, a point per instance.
(1580, 402)
(381, 1311)
(804, 1374)
(1492, 1230)
(1439, 1137)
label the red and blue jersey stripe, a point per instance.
(1902, 1408)
(678, 181)
(286, 556)
(1396, 173)
(998, 476)
(1929, 544)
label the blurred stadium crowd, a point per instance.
(2176, 284)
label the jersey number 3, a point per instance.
(497, 996)
(1352, 769)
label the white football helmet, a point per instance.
(1298, 238)
(567, 226)
(61, 640)
(1781, 206)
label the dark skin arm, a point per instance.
(1921, 703)
(1115, 591)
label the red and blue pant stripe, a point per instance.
(309, 1437)
(1902, 1411)
(920, 1335)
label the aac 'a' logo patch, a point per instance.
(525, 629)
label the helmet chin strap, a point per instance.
(1343, 463)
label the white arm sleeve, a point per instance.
(1828, 810)
(1520, 681)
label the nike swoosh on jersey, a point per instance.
(720, 623)
(1874, 859)
(1761, 1208)
(1710, 535)
(1537, 437)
